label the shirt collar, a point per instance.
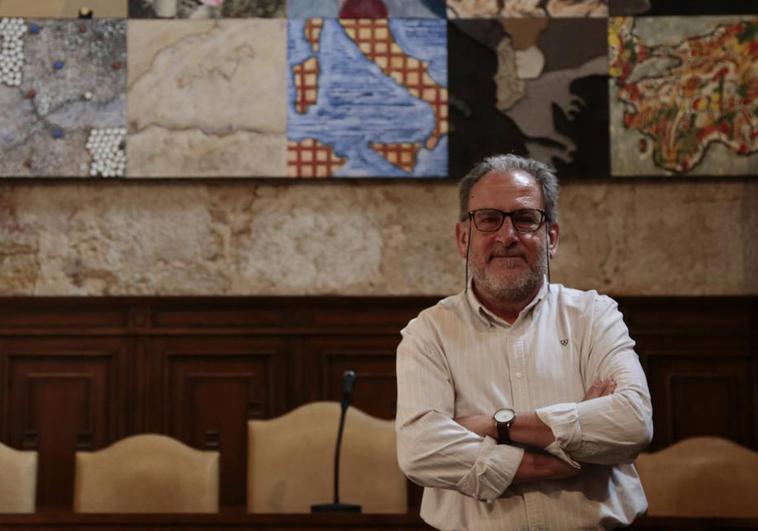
(489, 318)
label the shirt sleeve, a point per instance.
(612, 429)
(433, 449)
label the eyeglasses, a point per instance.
(524, 220)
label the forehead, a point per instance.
(506, 190)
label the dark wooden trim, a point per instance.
(233, 520)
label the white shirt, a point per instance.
(458, 359)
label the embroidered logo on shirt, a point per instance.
(564, 342)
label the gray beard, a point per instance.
(507, 290)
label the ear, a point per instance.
(461, 237)
(553, 232)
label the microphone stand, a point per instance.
(348, 380)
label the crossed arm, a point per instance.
(528, 429)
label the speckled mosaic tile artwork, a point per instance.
(62, 97)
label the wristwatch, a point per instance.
(504, 417)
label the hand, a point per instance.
(600, 388)
(535, 467)
(482, 425)
(553, 467)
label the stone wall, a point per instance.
(348, 238)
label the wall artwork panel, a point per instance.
(367, 98)
(657, 8)
(684, 95)
(62, 97)
(207, 9)
(526, 8)
(207, 98)
(405, 89)
(516, 87)
(63, 8)
(366, 8)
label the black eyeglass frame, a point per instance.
(504, 214)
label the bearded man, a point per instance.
(521, 403)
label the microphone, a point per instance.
(348, 384)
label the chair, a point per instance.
(146, 474)
(701, 477)
(18, 480)
(291, 462)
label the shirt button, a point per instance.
(518, 375)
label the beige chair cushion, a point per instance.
(146, 474)
(701, 477)
(18, 480)
(291, 462)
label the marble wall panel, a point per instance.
(207, 98)
(659, 238)
(62, 8)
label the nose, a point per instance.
(507, 233)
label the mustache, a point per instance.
(501, 251)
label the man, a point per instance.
(557, 365)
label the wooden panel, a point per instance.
(373, 360)
(382, 312)
(693, 395)
(692, 316)
(60, 317)
(63, 395)
(206, 389)
(237, 520)
(223, 317)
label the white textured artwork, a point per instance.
(59, 81)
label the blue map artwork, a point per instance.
(375, 92)
(393, 8)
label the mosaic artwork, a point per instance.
(62, 97)
(515, 87)
(63, 8)
(618, 8)
(206, 9)
(366, 8)
(684, 95)
(367, 98)
(376, 88)
(207, 98)
(526, 8)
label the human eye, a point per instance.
(488, 219)
(527, 218)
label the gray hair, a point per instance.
(542, 173)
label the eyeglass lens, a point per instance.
(524, 220)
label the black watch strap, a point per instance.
(504, 432)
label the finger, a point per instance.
(595, 390)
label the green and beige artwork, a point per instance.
(684, 95)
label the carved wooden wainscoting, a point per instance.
(83, 373)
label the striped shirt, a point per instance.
(458, 359)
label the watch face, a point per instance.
(504, 415)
